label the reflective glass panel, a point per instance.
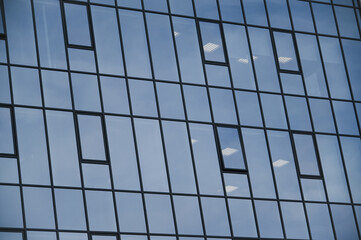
(248, 108)
(130, 3)
(11, 235)
(73, 236)
(268, 218)
(236, 184)
(6, 134)
(231, 10)
(319, 221)
(343, 219)
(86, 92)
(56, 89)
(243, 224)
(77, 24)
(313, 190)
(206, 9)
(294, 220)
(196, 100)
(156, 5)
(223, 106)
(292, 83)
(143, 98)
(346, 21)
(345, 117)
(217, 75)
(4, 85)
(278, 14)
(324, 19)
(188, 215)
(10, 207)
(306, 154)
(31, 235)
(273, 111)
(159, 213)
(301, 16)
(298, 115)
(115, 95)
(215, 216)
(286, 53)
(81, 60)
(96, 176)
(255, 12)
(9, 170)
(184, 7)
(322, 115)
(212, 42)
(352, 51)
(170, 100)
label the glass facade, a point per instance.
(180, 119)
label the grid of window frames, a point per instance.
(180, 119)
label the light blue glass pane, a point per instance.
(335, 68)
(170, 101)
(236, 184)
(81, 60)
(73, 236)
(184, 7)
(319, 221)
(242, 217)
(135, 43)
(86, 92)
(156, 5)
(10, 207)
(294, 220)
(206, 9)
(284, 165)
(133, 237)
(258, 163)
(344, 2)
(11, 236)
(107, 41)
(6, 132)
(32, 146)
(20, 32)
(324, 19)
(99, 237)
(206, 159)
(130, 212)
(286, 53)
(50, 34)
(63, 148)
(91, 137)
(96, 176)
(218, 75)
(358, 215)
(115, 95)
(352, 51)
(301, 16)
(38, 204)
(1, 23)
(313, 190)
(231, 10)
(322, 115)
(70, 209)
(188, 215)
(4, 85)
(215, 216)
(143, 98)
(358, 112)
(190, 61)
(3, 56)
(76, 17)
(26, 86)
(345, 117)
(197, 105)
(248, 108)
(159, 213)
(292, 83)
(343, 219)
(122, 153)
(130, 3)
(56, 89)
(333, 171)
(161, 46)
(31, 235)
(306, 154)
(179, 158)
(100, 210)
(273, 111)
(346, 20)
(212, 42)
(268, 218)
(298, 114)
(278, 14)
(255, 12)
(239, 56)
(223, 106)
(151, 158)
(351, 148)
(9, 170)
(264, 61)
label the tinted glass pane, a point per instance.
(159, 213)
(286, 53)
(236, 184)
(76, 17)
(231, 10)
(345, 117)
(313, 190)
(212, 42)
(11, 235)
(301, 16)
(170, 101)
(322, 115)
(294, 220)
(298, 114)
(255, 12)
(81, 60)
(188, 215)
(215, 216)
(86, 92)
(218, 75)
(115, 95)
(292, 84)
(9, 170)
(206, 9)
(343, 219)
(3, 56)
(268, 219)
(91, 137)
(73, 236)
(197, 105)
(248, 108)
(6, 134)
(96, 176)
(223, 106)
(352, 51)
(244, 224)
(56, 89)
(10, 207)
(143, 98)
(278, 14)
(324, 18)
(273, 111)
(130, 3)
(184, 7)
(306, 154)
(4, 85)
(156, 5)
(319, 220)
(346, 20)
(31, 235)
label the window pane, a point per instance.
(301, 16)
(4, 85)
(6, 132)
(130, 3)
(292, 84)
(345, 117)
(352, 51)
(197, 104)
(206, 9)
(11, 235)
(231, 11)
(9, 170)
(77, 24)
(184, 7)
(278, 14)
(107, 41)
(96, 176)
(298, 114)
(236, 184)
(319, 221)
(73, 236)
(188, 215)
(212, 42)
(135, 43)
(20, 32)
(170, 101)
(306, 154)
(346, 20)
(10, 207)
(273, 111)
(63, 148)
(322, 115)
(70, 209)
(56, 89)
(243, 224)
(143, 98)
(218, 75)
(81, 60)
(248, 108)
(86, 92)
(255, 12)
(324, 18)
(286, 53)
(313, 190)
(215, 216)
(115, 95)
(268, 218)
(156, 5)
(159, 213)
(294, 220)
(343, 219)
(231, 149)
(223, 106)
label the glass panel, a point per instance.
(63, 148)
(352, 51)
(122, 153)
(50, 34)
(135, 43)
(322, 115)
(115, 95)
(298, 114)
(255, 12)
(156, 5)
(231, 10)
(206, 159)
(86, 92)
(96, 176)
(215, 216)
(3, 52)
(345, 117)
(9, 170)
(20, 32)
(26, 86)
(278, 14)
(218, 75)
(105, 2)
(70, 209)
(212, 41)
(161, 45)
(91, 137)
(130, 3)
(170, 101)
(301, 16)
(130, 212)
(10, 207)
(151, 158)
(107, 41)
(184, 7)
(11, 235)
(223, 106)
(358, 215)
(273, 111)
(230, 146)
(38, 204)
(319, 221)
(100, 210)
(98, 237)
(248, 108)
(244, 224)
(236, 184)
(6, 132)
(188, 215)
(179, 158)
(4, 85)
(31, 235)
(324, 19)
(81, 60)
(190, 61)
(346, 20)
(292, 84)
(143, 98)
(206, 9)
(306, 154)
(56, 89)
(268, 218)
(294, 220)
(133, 237)
(77, 24)
(313, 190)
(286, 52)
(159, 213)
(263, 57)
(32, 146)
(343, 219)
(196, 100)
(73, 236)
(258, 163)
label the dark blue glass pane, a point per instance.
(77, 24)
